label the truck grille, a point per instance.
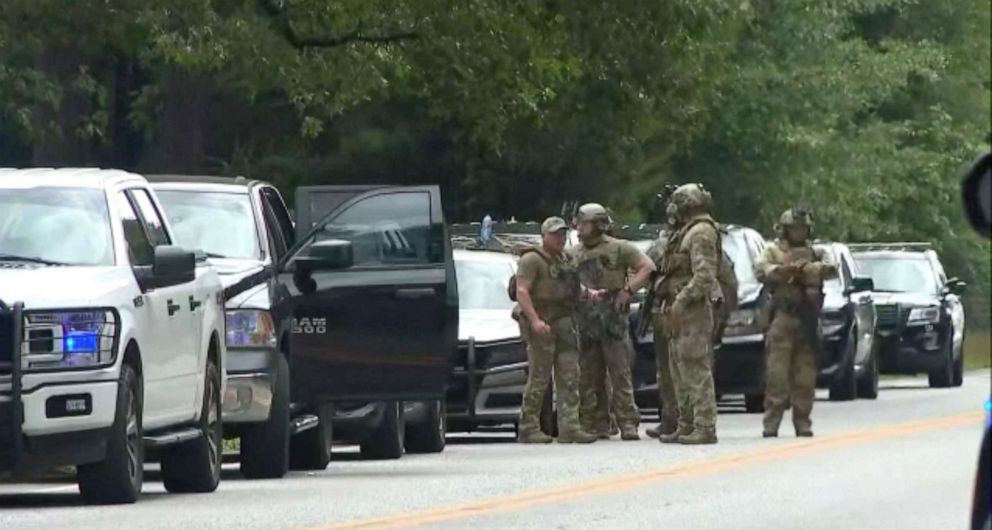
(888, 315)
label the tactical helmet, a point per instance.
(795, 217)
(689, 197)
(593, 212)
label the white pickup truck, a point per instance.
(111, 338)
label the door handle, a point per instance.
(414, 293)
(194, 304)
(172, 307)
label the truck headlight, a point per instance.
(832, 323)
(742, 322)
(252, 328)
(70, 339)
(924, 315)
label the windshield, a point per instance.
(899, 275)
(63, 225)
(482, 284)
(220, 224)
(736, 248)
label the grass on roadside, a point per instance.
(977, 349)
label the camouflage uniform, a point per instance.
(605, 336)
(667, 399)
(796, 301)
(688, 291)
(554, 288)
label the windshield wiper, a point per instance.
(211, 255)
(29, 259)
(877, 290)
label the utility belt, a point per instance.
(669, 289)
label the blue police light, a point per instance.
(81, 342)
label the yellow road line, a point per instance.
(627, 481)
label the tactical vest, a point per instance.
(806, 290)
(676, 264)
(600, 268)
(556, 290)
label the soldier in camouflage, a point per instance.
(688, 290)
(667, 400)
(794, 272)
(547, 290)
(620, 269)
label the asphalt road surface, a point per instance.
(905, 461)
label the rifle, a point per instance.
(647, 305)
(809, 316)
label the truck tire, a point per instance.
(868, 382)
(386, 441)
(959, 366)
(754, 403)
(311, 449)
(194, 466)
(845, 385)
(117, 479)
(265, 446)
(428, 436)
(944, 376)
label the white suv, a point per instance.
(111, 338)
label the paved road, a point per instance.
(903, 462)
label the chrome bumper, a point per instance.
(248, 398)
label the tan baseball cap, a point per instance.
(553, 224)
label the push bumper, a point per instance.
(914, 350)
(250, 380)
(45, 420)
(740, 365)
(486, 384)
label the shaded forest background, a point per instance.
(865, 110)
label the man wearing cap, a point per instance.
(547, 291)
(619, 269)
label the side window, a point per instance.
(284, 223)
(845, 270)
(153, 221)
(278, 219)
(386, 229)
(139, 247)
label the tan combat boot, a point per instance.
(699, 436)
(533, 437)
(673, 437)
(661, 429)
(628, 433)
(576, 437)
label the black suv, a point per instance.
(848, 361)
(319, 333)
(920, 315)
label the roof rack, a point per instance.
(903, 246)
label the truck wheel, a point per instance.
(265, 446)
(754, 403)
(194, 466)
(428, 436)
(386, 441)
(844, 386)
(959, 366)
(868, 383)
(944, 377)
(117, 479)
(311, 449)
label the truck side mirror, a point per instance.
(976, 192)
(171, 265)
(327, 255)
(862, 284)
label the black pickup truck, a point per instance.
(341, 327)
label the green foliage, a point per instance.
(865, 110)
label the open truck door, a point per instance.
(368, 295)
